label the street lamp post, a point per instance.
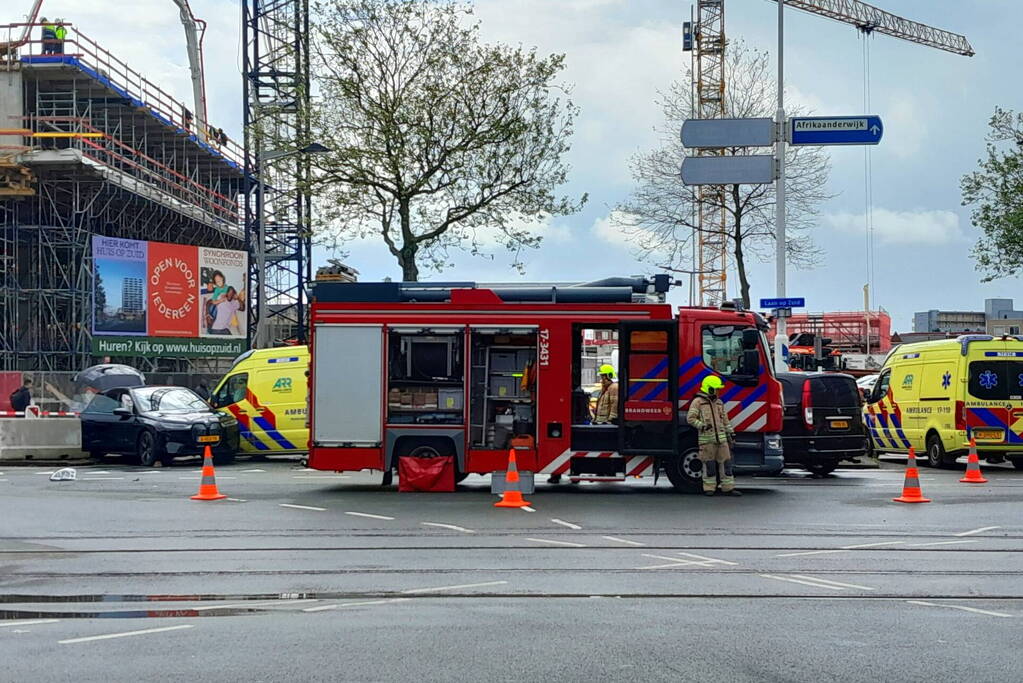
(260, 340)
(781, 338)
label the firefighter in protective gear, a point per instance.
(606, 411)
(715, 437)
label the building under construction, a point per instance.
(89, 146)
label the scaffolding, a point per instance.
(278, 212)
(89, 146)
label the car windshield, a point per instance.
(168, 400)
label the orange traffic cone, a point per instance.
(512, 495)
(911, 488)
(208, 485)
(973, 475)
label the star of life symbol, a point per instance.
(1020, 378)
(946, 380)
(988, 379)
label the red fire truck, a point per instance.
(461, 369)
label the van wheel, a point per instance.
(821, 469)
(685, 472)
(936, 456)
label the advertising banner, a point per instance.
(223, 273)
(119, 286)
(168, 297)
(173, 290)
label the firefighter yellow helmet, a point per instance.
(711, 382)
(608, 370)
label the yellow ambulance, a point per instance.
(930, 394)
(267, 390)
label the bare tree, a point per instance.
(438, 142)
(660, 214)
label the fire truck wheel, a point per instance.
(685, 472)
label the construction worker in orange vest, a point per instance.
(715, 437)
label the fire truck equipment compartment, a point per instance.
(426, 474)
(348, 384)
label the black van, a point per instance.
(823, 420)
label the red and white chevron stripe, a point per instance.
(638, 465)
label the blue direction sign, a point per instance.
(791, 302)
(835, 130)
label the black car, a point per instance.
(157, 424)
(823, 420)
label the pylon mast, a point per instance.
(709, 74)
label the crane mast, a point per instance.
(193, 43)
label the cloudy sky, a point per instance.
(935, 107)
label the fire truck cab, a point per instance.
(467, 370)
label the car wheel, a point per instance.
(1017, 463)
(148, 449)
(936, 456)
(821, 469)
(685, 472)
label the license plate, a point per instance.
(209, 439)
(988, 434)
(840, 424)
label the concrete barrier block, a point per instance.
(47, 438)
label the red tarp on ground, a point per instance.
(426, 474)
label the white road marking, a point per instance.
(51, 472)
(4, 479)
(924, 545)
(810, 552)
(354, 604)
(449, 526)
(321, 476)
(249, 471)
(871, 545)
(302, 507)
(91, 472)
(805, 583)
(835, 583)
(125, 634)
(238, 500)
(366, 514)
(29, 623)
(965, 609)
(266, 603)
(544, 540)
(978, 531)
(699, 561)
(568, 524)
(622, 540)
(451, 588)
(101, 478)
(527, 508)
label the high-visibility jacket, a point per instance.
(708, 415)
(49, 31)
(60, 32)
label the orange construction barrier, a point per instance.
(973, 475)
(208, 485)
(512, 495)
(911, 488)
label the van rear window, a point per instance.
(996, 380)
(834, 392)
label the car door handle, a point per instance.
(260, 409)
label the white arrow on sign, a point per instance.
(755, 169)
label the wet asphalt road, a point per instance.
(305, 575)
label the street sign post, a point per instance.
(711, 133)
(835, 130)
(790, 302)
(728, 170)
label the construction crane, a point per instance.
(870, 19)
(709, 75)
(193, 43)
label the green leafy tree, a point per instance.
(99, 294)
(438, 141)
(995, 191)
